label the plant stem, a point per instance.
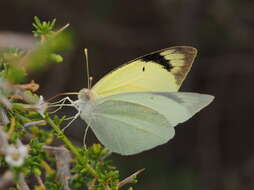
(69, 145)
(61, 136)
(12, 127)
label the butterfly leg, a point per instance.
(61, 103)
(72, 120)
(84, 139)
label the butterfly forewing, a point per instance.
(160, 71)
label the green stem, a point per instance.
(69, 145)
(61, 136)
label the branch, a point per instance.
(3, 140)
(130, 178)
(22, 183)
(63, 159)
(69, 145)
(6, 180)
(17, 40)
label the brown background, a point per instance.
(211, 151)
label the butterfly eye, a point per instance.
(143, 69)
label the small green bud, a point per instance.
(56, 58)
(96, 148)
(37, 171)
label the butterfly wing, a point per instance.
(177, 107)
(127, 128)
(160, 71)
(130, 123)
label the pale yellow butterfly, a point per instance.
(136, 106)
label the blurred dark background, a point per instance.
(214, 150)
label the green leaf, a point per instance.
(15, 74)
(43, 28)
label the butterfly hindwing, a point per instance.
(160, 71)
(128, 128)
(130, 123)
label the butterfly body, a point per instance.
(136, 107)
(86, 104)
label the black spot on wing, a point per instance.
(156, 57)
(143, 69)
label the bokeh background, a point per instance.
(212, 151)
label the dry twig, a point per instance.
(3, 140)
(130, 178)
(63, 158)
(22, 183)
(6, 180)
(29, 86)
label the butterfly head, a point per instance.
(86, 94)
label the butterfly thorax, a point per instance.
(86, 94)
(86, 104)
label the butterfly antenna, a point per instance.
(62, 94)
(90, 82)
(87, 68)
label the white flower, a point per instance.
(15, 155)
(41, 106)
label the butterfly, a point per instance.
(136, 106)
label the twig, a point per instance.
(48, 169)
(10, 39)
(129, 179)
(40, 182)
(4, 101)
(69, 145)
(63, 159)
(62, 136)
(22, 183)
(12, 127)
(6, 180)
(4, 118)
(3, 140)
(10, 88)
(91, 186)
(54, 148)
(29, 86)
(62, 29)
(40, 122)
